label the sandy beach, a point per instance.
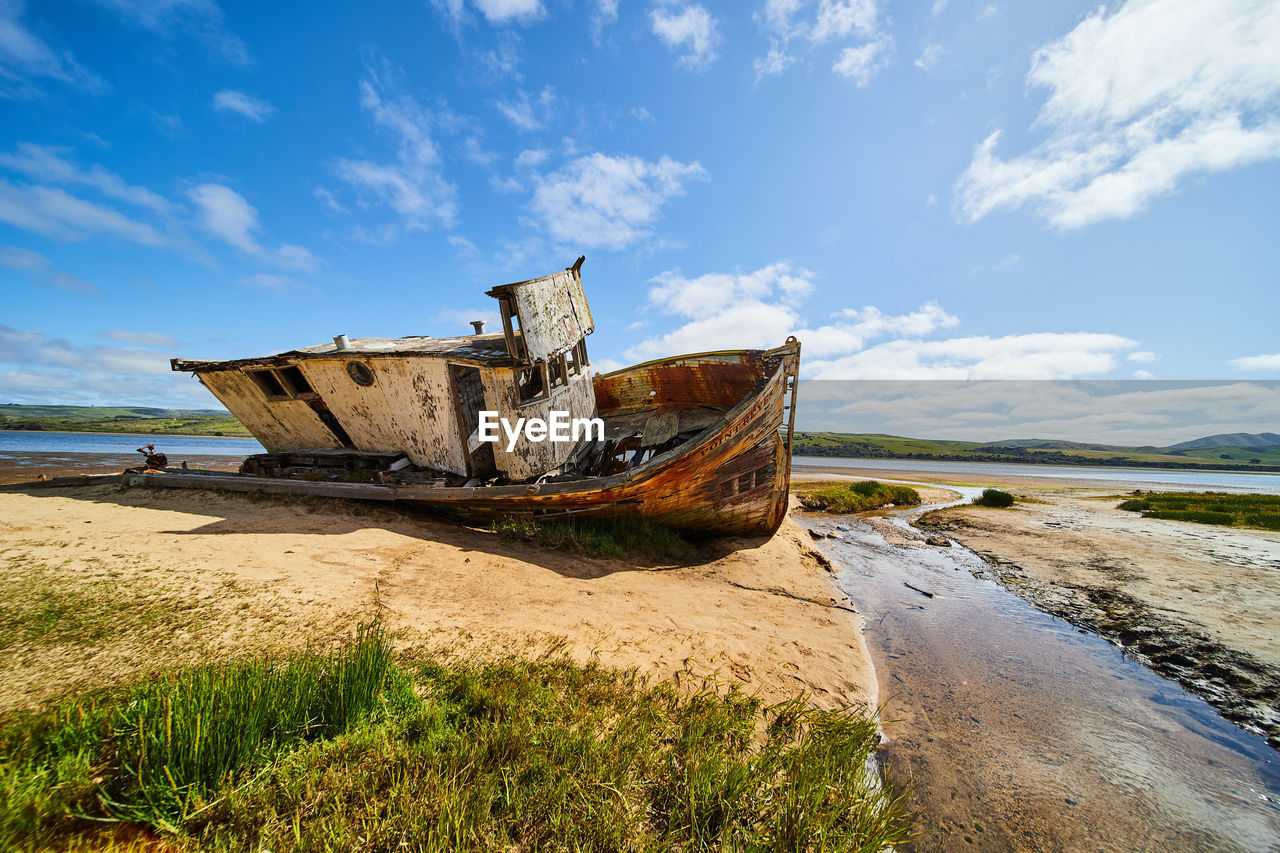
(155, 578)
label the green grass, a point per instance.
(995, 498)
(856, 497)
(355, 751)
(612, 538)
(117, 419)
(1259, 511)
(42, 605)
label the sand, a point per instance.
(149, 579)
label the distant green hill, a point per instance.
(120, 419)
(1245, 455)
(1241, 440)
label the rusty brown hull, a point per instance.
(733, 478)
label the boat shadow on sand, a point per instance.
(241, 513)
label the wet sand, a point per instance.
(1018, 732)
(27, 466)
(1199, 604)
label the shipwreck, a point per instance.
(697, 442)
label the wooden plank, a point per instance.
(659, 429)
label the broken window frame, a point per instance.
(541, 393)
(512, 332)
(268, 379)
(558, 373)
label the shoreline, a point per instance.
(1193, 603)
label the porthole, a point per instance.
(360, 373)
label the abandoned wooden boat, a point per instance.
(697, 442)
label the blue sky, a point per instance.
(955, 190)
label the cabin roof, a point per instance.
(490, 349)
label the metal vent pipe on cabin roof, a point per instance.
(341, 342)
(478, 325)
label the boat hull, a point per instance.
(733, 478)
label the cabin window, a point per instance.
(360, 373)
(580, 352)
(531, 383)
(573, 362)
(296, 382)
(559, 372)
(283, 383)
(269, 384)
(515, 339)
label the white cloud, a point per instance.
(1256, 362)
(531, 157)
(254, 109)
(837, 19)
(152, 339)
(642, 115)
(14, 258)
(938, 7)
(1138, 101)
(1041, 355)
(24, 55)
(54, 213)
(930, 55)
(608, 202)
(1111, 412)
(496, 12)
(49, 165)
(1142, 357)
(603, 15)
(762, 308)
(1143, 374)
(692, 30)
(860, 64)
(526, 113)
(225, 214)
(988, 11)
(412, 185)
(829, 21)
(774, 62)
(503, 11)
(203, 19)
(35, 368)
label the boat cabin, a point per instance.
(417, 400)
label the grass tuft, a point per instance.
(351, 751)
(612, 538)
(846, 498)
(995, 498)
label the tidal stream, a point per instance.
(1018, 731)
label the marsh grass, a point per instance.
(1260, 511)
(611, 538)
(994, 498)
(352, 751)
(861, 496)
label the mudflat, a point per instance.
(102, 585)
(1197, 603)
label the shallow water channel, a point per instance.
(1018, 731)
